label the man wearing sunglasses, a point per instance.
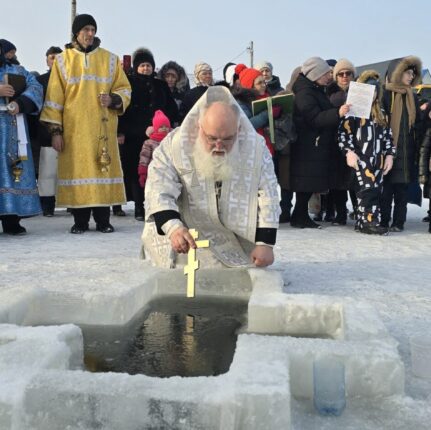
(213, 174)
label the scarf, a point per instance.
(396, 110)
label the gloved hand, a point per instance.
(143, 173)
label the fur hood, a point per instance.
(366, 75)
(397, 67)
(182, 84)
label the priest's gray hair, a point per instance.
(233, 107)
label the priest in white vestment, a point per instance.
(213, 174)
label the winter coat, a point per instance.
(182, 86)
(145, 158)
(43, 136)
(189, 100)
(342, 175)
(273, 86)
(368, 139)
(404, 169)
(316, 122)
(148, 95)
(425, 158)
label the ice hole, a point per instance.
(171, 336)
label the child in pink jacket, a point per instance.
(161, 127)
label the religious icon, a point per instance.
(192, 263)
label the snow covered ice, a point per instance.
(383, 283)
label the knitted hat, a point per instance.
(7, 46)
(53, 50)
(160, 120)
(246, 75)
(143, 55)
(344, 64)
(263, 65)
(199, 68)
(331, 62)
(81, 21)
(314, 68)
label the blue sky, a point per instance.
(284, 32)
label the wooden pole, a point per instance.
(73, 14)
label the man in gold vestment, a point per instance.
(87, 91)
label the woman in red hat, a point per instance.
(253, 87)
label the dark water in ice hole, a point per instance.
(172, 336)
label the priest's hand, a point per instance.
(262, 255)
(6, 90)
(182, 240)
(57, 142)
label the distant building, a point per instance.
(382, 66)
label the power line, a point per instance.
(233, 59)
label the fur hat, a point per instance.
(246, 75)
(53, 50)
(81, 21)
(143, 55)
(314, 68)
(199, 68)
(263, 65)
(397, 67)
(344, 64)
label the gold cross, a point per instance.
(192, 263)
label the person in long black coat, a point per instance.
(149, 94)
(344, 72)
(401, 105)
(425, 160)
(316, 122)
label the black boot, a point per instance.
(139, 214)
(118, 211)
(12, 226)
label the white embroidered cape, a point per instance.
(248, 200)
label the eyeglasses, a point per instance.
(345, 74)
(212, 140)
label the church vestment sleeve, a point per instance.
(163, 186)
(121, 87)
(268, 212)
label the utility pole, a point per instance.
(73, 14)
(251, 50)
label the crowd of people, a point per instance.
(83, 136)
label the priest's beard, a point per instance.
(216, 167)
